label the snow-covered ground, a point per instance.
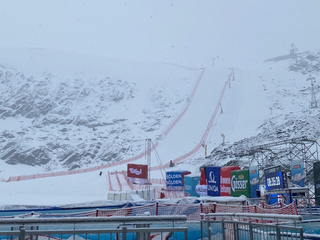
(246, 106)
(197, 45)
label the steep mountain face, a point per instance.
(294, 118)
(68, 123)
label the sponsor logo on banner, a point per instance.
(174, 176)
(225, 180)
(238, 184)
(174, 181)
(211, 177)
(135, 171)
(201, 190)
(213, 188)
(296, 166)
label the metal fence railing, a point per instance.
(143, 227)
(225, 230)
(95, 234)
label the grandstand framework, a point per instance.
(282, 152)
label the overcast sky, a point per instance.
(176, 31)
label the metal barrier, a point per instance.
(254, 217)
(234, 230)
(93, 228)
(106, 234)
(142, 219)
(238, 226)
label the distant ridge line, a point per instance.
(65, 173)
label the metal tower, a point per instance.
(313, 95)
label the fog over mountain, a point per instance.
(59, 121)
(78, 120)
(84, 84)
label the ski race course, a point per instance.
(195, 136)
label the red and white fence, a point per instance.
(192, 211)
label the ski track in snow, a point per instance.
(194, 136)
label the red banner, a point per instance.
(225, 180)
(137, 171)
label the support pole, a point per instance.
(148, 150)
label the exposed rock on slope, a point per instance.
(68, 123)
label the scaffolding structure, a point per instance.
(282, 152)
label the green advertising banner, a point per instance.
(316, 174)
(240, 183)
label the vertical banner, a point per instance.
(240, 183)
(213, 181)
(254, 181)
(297, 173)
(316, 175)
(225, 180)
(190, 183)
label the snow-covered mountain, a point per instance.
(84, 84)
(64, 120)
(287, 90)
(72, 120)
(60, 120)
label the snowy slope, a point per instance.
(87, 88)
(246, 118)
(64, 120)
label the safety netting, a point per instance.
(192, 211)
(220, 208)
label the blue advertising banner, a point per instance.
(190, 183)
(174, 181)
(254, 180)
(273, 178)
(297, 173)
(213, 181)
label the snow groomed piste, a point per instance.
(173, 124)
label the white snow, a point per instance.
(154, 44)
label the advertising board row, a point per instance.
(220, 181)
(232, 181)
